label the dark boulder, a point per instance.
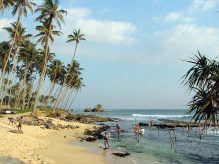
(121, 154)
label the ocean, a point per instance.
(154, 145)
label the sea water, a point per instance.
(155, 146)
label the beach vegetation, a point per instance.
(32, 78)
(202, 79)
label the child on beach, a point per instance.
(106, 140)
(118, 131)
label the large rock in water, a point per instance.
(97, 108)
(88, 110)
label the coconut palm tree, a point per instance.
(28, 56)
(20, 7)
(76, 37)
(20, 38)
(49, 12)
(203, 79)
(55, 69)
(74, 73)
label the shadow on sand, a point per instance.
(11, 160)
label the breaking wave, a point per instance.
(160, 116)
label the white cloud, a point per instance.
(203, 5)
(107, 31)
(4, 23)
(182, 40)
(174, 16)
(113, 32)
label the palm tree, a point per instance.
(49, 12)
(21, 37)
(20, 7)
(203, 79)
(75, 37)
(55, 69)
(28, 56)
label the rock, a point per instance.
(91, 139)
(121, 154)
(88, 110)
(97, 132)
(98, 108)
(82, 118)
(50, 125)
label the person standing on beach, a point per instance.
(118, 130)
(19, 124)
(136, 129)
(106, 140)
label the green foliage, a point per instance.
(23, 110)
(203, 79)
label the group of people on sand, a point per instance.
(12, 121)
(138, 130)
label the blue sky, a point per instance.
(132, 56)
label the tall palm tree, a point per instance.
(55, 68)
(49, 12)
(28, 56)
(20, 38)
(75, 37)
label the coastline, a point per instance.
(39, 145)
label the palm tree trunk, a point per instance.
(58, 99)
(25, 86)
(72, 101)
(65, 97)
(34, 112)
(51, 88)
(11, 71)
(69, 97)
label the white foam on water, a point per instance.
(159, 116)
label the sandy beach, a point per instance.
(38, 145)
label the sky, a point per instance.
(132, 56)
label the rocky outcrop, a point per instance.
(47, 123)
(97, 133)
(82, 118)
(97, 108)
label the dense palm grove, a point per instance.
(25, 65)
(203, 80)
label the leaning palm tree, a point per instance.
(75, 37)
(49, 12)
(55, 68)
(203, 79)
(28, 56)
(20, 38)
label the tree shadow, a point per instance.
(11, 160)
